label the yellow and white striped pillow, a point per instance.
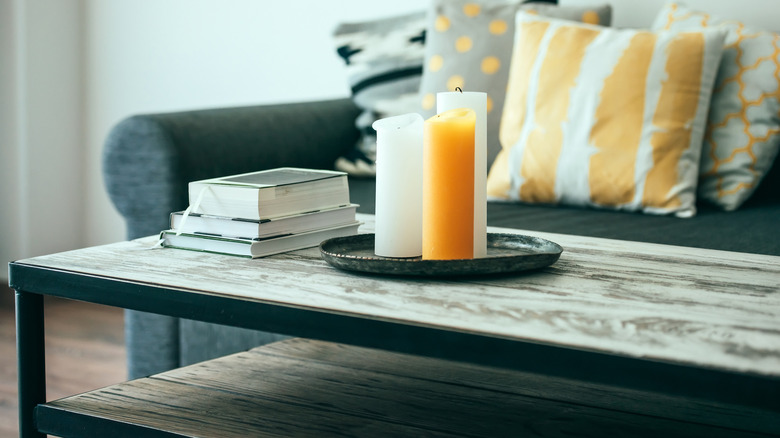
(605, 117)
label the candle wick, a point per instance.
(458, 89)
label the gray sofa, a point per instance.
(148, 160)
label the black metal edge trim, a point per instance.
(55, 421)
(589, 366)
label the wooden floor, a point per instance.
(84, 351)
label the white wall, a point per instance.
(151, 56)
(10, 242)
(71, 69)
(42, 157)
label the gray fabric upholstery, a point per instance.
(151, 342)
(201, 341)
(147, 162)
(752, 228)
(149, 159)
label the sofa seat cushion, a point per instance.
(750, 229)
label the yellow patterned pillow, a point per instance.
(468, 44)
(742, 137)
(604, 117)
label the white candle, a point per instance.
(399, 156)
(478, 103)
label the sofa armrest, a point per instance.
(149, 159)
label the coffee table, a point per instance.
(655, 331)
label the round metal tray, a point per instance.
(506, 253)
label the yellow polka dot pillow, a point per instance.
(743, 129)
(469, 45)
(603, 117)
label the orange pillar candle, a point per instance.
(448, 185)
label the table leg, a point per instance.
(31, 360)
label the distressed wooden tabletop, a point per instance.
(689, 306)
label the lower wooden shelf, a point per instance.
(302, 387)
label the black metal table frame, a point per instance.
(32, 282)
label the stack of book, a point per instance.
(263, 213)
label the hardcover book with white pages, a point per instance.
(253, 248)
(269, 193)
(196, 223)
